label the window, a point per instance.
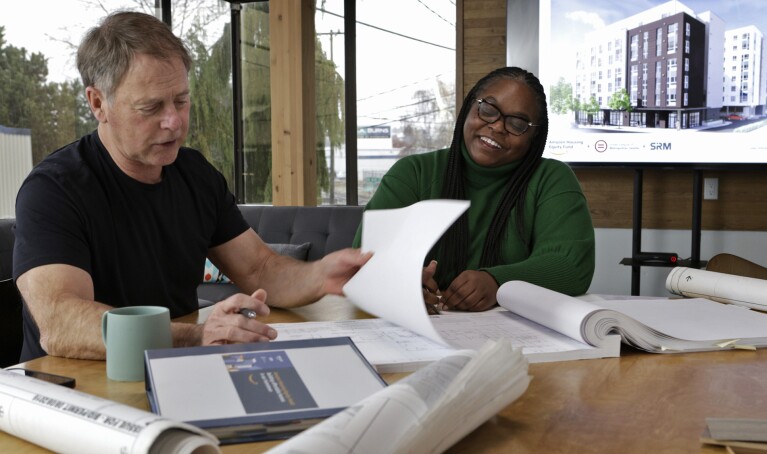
(671, 98)
(410, 91)
(645, 44)
(634, 48)
(658, 42)
(51, 131)
(413, 107)
(672, 38)
(671, 70)
(671, 82)
(658, 79)
(634, 84)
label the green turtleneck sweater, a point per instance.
(558, 226)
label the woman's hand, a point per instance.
(226, 325)
(431, 293)
(471, 291)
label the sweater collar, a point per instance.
(478, 174)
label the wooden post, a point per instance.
(294, 167)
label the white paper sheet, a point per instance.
(389, 285)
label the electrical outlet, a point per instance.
(710, 188)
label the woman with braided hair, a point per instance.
(528, 218)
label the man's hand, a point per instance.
(338, 267)
(225, 324)
(471, 291)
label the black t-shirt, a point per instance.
(142, 244)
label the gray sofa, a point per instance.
(6, 249)
(324, 228)
(10, 301)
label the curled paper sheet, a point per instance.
(724, 288)
(426, 412)
(389, 285)
(69, 421)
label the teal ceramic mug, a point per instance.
(127, 332)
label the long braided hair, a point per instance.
(452, 251)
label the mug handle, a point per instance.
(104, 327)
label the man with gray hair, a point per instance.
(126, 215)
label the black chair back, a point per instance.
(10, 323)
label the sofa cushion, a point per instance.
(212, 275)
(297, 251)
(327, 228)
(218, 287)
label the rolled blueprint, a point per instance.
(722, 287)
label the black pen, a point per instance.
(432, 309)
(250, 313)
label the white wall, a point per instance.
(15, 164)
(610, 277)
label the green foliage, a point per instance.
(561, 97)
(58, 113)
(53, 112)
(620, 101)
(329, 95)
(591, 107)
(577, 106)
(257, 104)
(210, 119)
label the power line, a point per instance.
(399, 88)
(423, 101)
(410, 117)
(389, 31)
(436, 13)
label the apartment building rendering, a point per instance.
(680, 70)
(744, 90)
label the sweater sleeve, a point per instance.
(561, 244)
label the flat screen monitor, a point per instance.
(653, 83)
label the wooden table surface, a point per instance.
(639, 403)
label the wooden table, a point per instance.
(639, 403)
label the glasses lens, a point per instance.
(488, 112)
(516, 125)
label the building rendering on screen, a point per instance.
(679, 69)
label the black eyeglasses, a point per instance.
(512, 124)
